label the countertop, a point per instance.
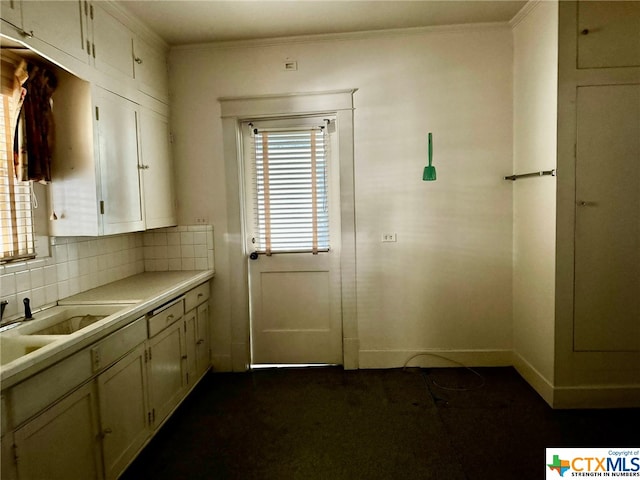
(135, 289)
(138, 294)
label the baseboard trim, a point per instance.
(350, 358)
(598, 396)
(434, 358)
(534, 378)
(221, 362)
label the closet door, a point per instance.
(607, 236)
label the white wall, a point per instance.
(535, 85)
(446, 283)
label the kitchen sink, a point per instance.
(16, 346)
(70, 325)
(50, 325)
(65, 320)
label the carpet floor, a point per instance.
(327, 423)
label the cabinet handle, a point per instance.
(143, 167)
(170, 318)
(21, 31)
(105, 432)
(585, 31)
(200, 342)
(200, 295)
(138, 60)
(184, 357)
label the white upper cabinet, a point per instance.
(112, 43)
(11, 12)
(608, 34)
(117, 130)
(157, 170)
(121, 180)
(150, 69)
(118, 51)
(102, 37)
(112, 170)
(60, 24)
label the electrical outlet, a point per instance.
(290, 65)
(201, 220)
(389, 237)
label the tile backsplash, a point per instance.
(179, 248)
(77, 264)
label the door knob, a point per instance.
(584, 203)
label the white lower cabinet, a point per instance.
(203, 345)
(7, 463)
(62, 442)
(197, 343)
(101, 405)
(166, 371)
(124, 413)
(197, 333)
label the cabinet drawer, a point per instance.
(164, 316)
(38, 392)
(118, 344)
(195, 297)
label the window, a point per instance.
(290, 190)
(16, 219)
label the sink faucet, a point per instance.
(27, 309)
(3, 305)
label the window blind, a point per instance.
(16, 220)
(290, 191)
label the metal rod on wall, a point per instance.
(532, 174)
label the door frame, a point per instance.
(235, 110)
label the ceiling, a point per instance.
(181, 22)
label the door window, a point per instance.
(289, 189)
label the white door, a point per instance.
(607, 238)
(292, 223)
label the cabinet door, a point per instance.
(11, 12)
(124, 419)
(607, 236)
(61, 443)
(112, 43)
(608, 34)
(73, 195)
(166, 371)
(7, 458)
(156, 158)
(203, 358)
(190, 342)
(61, 24)
(150, 69)
(117, 126)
